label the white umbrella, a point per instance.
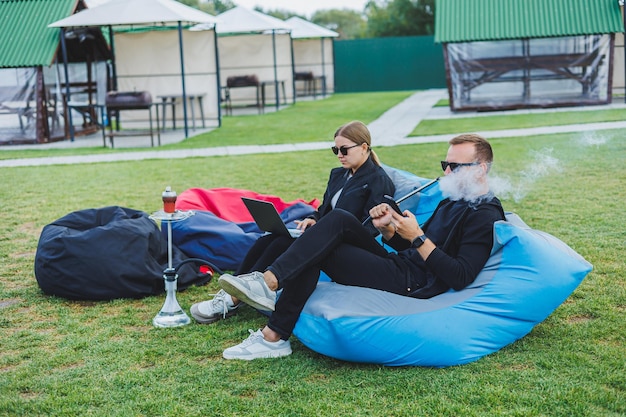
(141, 12)
(135, 12)
(302, 29)
(243, 20)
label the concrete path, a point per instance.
(399, 121)
(391, 129)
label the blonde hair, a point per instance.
(358, 133)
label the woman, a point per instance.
(357, 186)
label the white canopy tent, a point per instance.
(313, 50)
(146, 60)
(253, 43)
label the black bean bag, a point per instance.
(108, 253)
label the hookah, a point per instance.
(171, 314)
(395, 204)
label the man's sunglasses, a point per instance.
(343, 149)
(456, 165)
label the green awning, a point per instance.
(483, 20)
(25, 38)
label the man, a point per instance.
(448, 251)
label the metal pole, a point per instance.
(169, 244)
(67, 85)
(182, 75)
(114, 86)
(217, 73)
(113, 63)
(623, 4)
(323, 70)
(275, 69)
(293, 71)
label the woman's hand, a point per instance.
(305, 224)
(382, 219)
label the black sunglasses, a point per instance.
(456, 165)
(343, 149)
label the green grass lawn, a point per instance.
(68, 358)
(515, 121)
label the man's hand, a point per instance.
(406, 225)
(408, 228)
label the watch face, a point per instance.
(419, 241)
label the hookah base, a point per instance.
(175, 319)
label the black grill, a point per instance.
(242, 81)
(117, 100)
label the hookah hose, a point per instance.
(409, 195)
(201, 262)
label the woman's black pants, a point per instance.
(344, 249)
(265, 250)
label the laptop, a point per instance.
(267, 218)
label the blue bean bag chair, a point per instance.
(529, 274)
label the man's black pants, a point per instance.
(340, 246)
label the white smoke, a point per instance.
(542, 164)
(463, 184)
(592, 139)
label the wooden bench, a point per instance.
(476, 72)
(16, 100)
(87, 108)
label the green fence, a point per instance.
(388, 64)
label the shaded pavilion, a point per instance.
(125, 16)
(255, 44)
(32, 103)
(510, 54)
(313, 54)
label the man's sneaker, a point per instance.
(255, 347)
(249, 288)
(220, 307)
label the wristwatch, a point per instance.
(418, 241)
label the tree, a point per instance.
(400, 18)
(190, 3)
(216, 7)
(348, 23)
(279, 13)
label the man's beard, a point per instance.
(462, 184)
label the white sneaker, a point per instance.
(220, 307)
(256, 347)
(249, 288)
